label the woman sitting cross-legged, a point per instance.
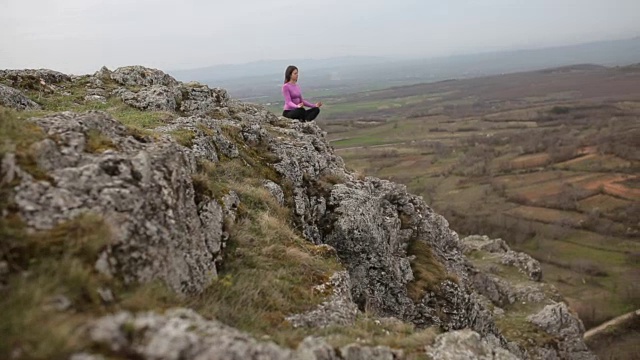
(293, 102)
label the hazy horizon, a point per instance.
(80, 36)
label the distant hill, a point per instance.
(270, 67)
(259, 81)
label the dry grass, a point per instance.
(184, 137)
(428, 272)
(268, 274)
(97, 142)
(269, 270)
(17, 135)
(515, 327)
(45, 267)
(371, 331)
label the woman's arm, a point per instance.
(287, 97)
(306, 103)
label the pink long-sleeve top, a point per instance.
(293, 97)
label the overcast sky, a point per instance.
(79, 36)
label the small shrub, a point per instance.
(560, 110)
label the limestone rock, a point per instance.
(464, 345)
(525, 263)
(33, 77)
(15, 99)
(275, 190)
(141, 76)
(154, 97)
(557, 320)
(202, 101)
(502, 292)
(522, 261)
(95, 98)
(103, 74)
(183, 334)
(143, 190)
(338, 310)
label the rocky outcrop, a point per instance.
(525, 263)
(142, 189)
(15, 99)
(365, 227)
(466, 344)
(557, 320)
(139, 76)
(371, 223)
(522, 305)
(153, 97)
(159, 91)
(33, 78)
(339, 309)
(183, 334)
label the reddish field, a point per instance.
(615, 188)
(529, 161)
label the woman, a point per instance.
(293, 102)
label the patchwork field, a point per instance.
(547, 160)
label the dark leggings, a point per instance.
(302, 114)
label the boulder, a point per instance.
(15, 99)
(140, 76)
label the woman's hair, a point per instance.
(288, 72)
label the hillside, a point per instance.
(547, 160)
(147, 218)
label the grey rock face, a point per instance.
(275, 190)
(15, 99)
(180, 334)
(200, 100)
(464, 345)
(141, 76)
(154, 97)
(557, 320)
(162, 92)
(370, 223)
(306, 162)
(42, 76)
(338, 310)
(522, 261)
(523, 290)
(144, 192)
(502, 292)
(183, 334)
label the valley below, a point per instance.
(547, 160)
